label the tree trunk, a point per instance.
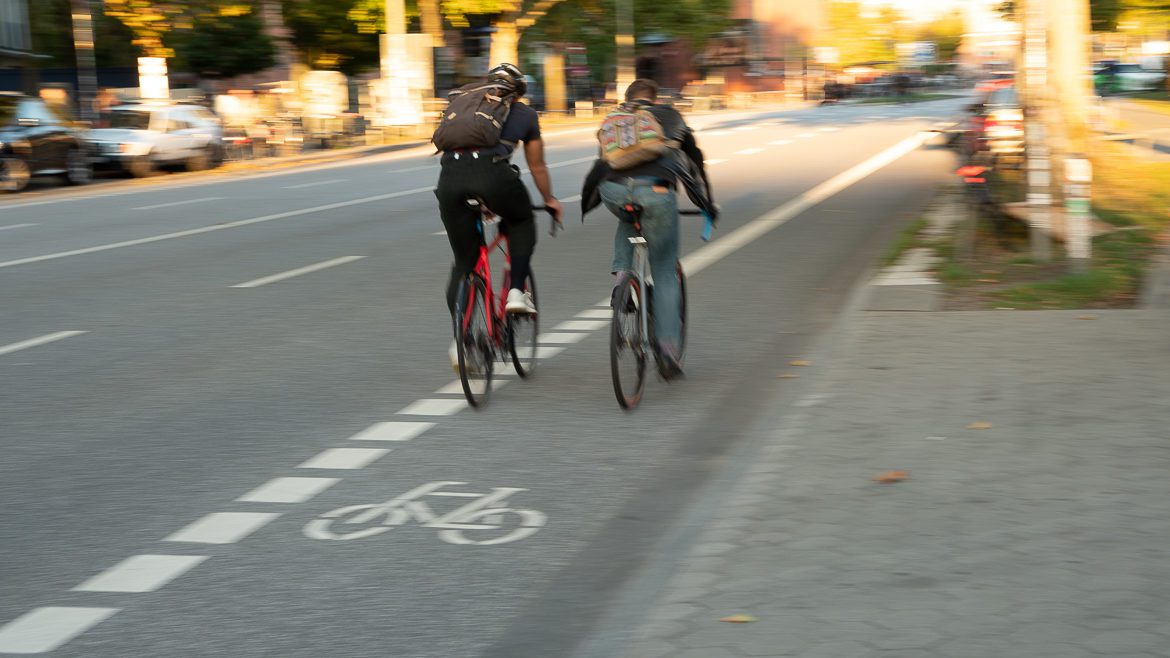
(505, 42)
(432, 21)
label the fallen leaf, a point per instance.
(739, 619)
(979, 425)
(891, 477)
(1086, 317)
(988, 280)
(788, 375)
(800, 362)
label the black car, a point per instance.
(36, 141)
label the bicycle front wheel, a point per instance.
(627, 346)
(682, 310)
(523, 330)
(473, 341)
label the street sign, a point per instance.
(917, 53)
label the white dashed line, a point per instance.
(44, 629)
(308, 269)
(434, 407)
(456, 387)
(542, 352)
(392, 431)
(561, 338)
(749, 151)
(596, 313)
(141, 573)
(439, 233)
(179, 203)
(781, 142)
(5, 228)
(288, 490)
(581, 325)
(35, 342)
(222, 527)
(422, 168)
(314, 184)
(348, 459)
(714, 161)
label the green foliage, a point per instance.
(328, 38)
(1104, 14)
(862, 35)
(52, 31)
(225, 46)
(946, 32)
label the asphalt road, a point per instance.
(163, 467)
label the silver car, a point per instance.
(142, 137)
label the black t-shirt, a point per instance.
(522, 125)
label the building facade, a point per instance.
(15, 38)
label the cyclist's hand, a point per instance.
(555, 208)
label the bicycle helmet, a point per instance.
(510, 76)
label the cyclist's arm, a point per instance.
(534, 156)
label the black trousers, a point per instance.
(500, 186)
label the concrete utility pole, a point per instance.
(1034, 91)
(406, 69)
(1069, 65)
(83, 45)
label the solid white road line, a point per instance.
(439, 233)
(596, 313)
(288, 490)
(255, 283)
(555, 338)
(141, 573)
(699, 259)
(749, 151)
(347, 459)
(714, 161)
(392, 431)
(34, 342)
(410, 169)
(215, 227)
(571, 199)
(315, 184)
(44, 629)
(5, 228)
(434, 407)
(581, 325)
(179, 203)
(222, 527)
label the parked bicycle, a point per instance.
(484, 332)
(632, 340)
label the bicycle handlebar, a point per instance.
(554, 224)
(708, 224)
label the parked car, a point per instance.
(142, 137)
(999, 125)
(36, 141)
(1114, 78)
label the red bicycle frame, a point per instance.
(483, 269)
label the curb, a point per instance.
(1155, 292)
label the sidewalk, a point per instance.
(1046, 534)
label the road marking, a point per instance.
(542, 351)
(141, 573)
(571, 199)
(315, 184)
(214, 227)
(288, 490)
(714, 161)
(563, 338)
(255, 283)
(749, 151)
(44, 629)
(5, 228)
(34, 342)
(596, 313)
(179, 203)
(456, 387)
(781, 142)
(581, 325)
(567, 163)
(434, 407)
(392, 431)
(699, 259)
(222, 527)
(744, 128)
(717, 133)
(439, 233)
(347, 459)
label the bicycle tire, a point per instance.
(627, 347)
(682, 308)
(473, 341)
(523, 332)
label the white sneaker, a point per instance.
(453, 353)
(520, 302)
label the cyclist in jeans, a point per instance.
(490, 174)
(652, 186)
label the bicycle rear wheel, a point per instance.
(627, 347)
(473, 340)
(523, 330)
(682, 309)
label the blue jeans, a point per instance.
(660, 228)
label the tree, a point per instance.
(860, 35)
(327, 36)
(1103, 13)
(219, 46)
(946, 32)
(53, 36)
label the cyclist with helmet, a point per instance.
(488, 172)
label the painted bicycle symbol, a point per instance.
(484, 521)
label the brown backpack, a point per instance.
(474, 117)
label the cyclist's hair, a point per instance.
(642, 88)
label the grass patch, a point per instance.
(908, 239)
(912, 98)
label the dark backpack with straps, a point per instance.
(474, 117)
